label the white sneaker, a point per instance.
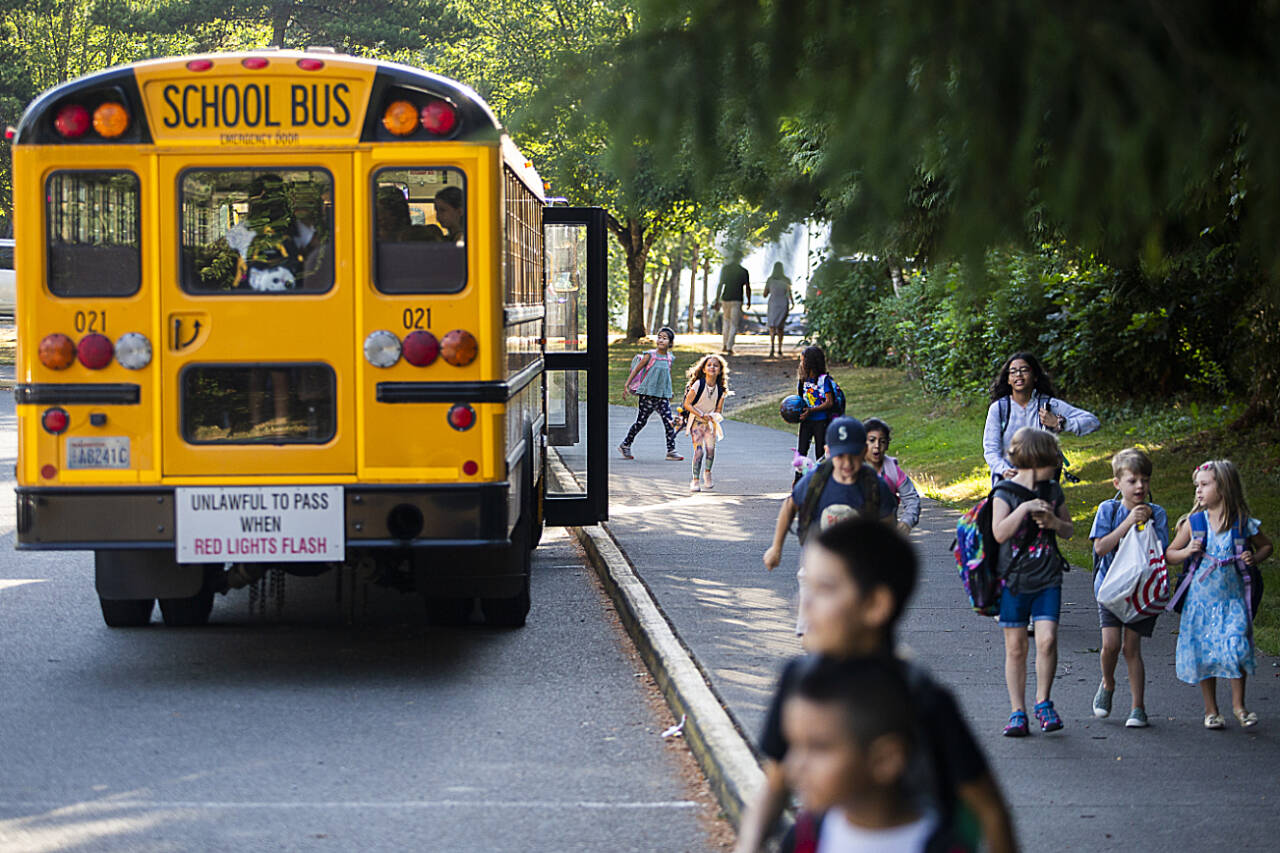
(693, 485)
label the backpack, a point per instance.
(867, 481)
(837, 393)
(977, 556)
(634, 385)
(1251, 575)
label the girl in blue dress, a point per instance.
(1215, 638)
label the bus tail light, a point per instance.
(57, 352)
(462, 417)
(133, 351)
(200, 65)
(459, 348)
(48, 472)
(421, 348)
(255, 63)
(470, 468)
(310, 64)
(400, 118)
(55, 421)
(95, 351)
(382, 348)
(110, 119)
(439, 118)
(72, 121)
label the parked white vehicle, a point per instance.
(8, 283)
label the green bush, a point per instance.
(841, 308)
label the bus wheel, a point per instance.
(187, 612)
(126, 612)
(446, 612)
(511, 612)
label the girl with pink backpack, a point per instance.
(891, 472)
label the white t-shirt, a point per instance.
(841, 836)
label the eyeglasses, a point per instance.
(1019, 371)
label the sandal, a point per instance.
(1214, 721)
(1049, 719)
(1017, 726)
(1247, 719)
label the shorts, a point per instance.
(1143, 627)
(1016, 609)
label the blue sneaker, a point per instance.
(1137, 719)
(1049, 719)
(1017, 726)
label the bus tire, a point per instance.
(445, 611)
(187, 612)
(512, 612)
(126, 612)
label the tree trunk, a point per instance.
(677, 267)
(693, 283)
(635, 244)
(895, 274)
(659, 300)
(706, 302)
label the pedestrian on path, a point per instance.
(735, 286)
(650, 381)
(1221, 546)
(704, 397)
(891, 472)
(863, 573)
(817, 390)
(1023, 395)
(850, 747)
(777, 289)
(1029, 512)
(841, 486)
(1131, 475)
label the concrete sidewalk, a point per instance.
(1093, 786)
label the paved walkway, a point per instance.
(1093, 786)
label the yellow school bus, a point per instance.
(299, 311)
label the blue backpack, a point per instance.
(1251, 575)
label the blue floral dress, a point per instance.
(1214, 639)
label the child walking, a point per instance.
(1221, 544)
(650, 381)
(703, 400)
(1131, 475)
(814, 385)
(891, 472)
(1028, 513)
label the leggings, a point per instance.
(815, 431)
(704, 450)
(647, 407)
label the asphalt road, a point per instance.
(328, 726)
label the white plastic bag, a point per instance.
(1137, 584)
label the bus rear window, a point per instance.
(94, 246)
(258, 404)
(257, 230)
(419, 220)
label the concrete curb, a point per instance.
(720, 750)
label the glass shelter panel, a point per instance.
(566, 296)
(567, 431)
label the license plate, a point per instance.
(260, 524)
(102, 452)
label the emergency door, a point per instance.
(257, 354)
(576, 376)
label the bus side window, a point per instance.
(94, 237)
(419, 225)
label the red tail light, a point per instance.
(95, 351)
(200, 65)
(421, 348)
(439, 118)
(55, 420)
(311, 64)
(72, 121)
(462, 417)
(470, 468)
(255, 63)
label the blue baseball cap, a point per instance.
(846, 435)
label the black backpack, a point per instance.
(867, 481)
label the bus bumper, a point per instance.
(462, 516)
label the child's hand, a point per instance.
(1195, 546)
(1250, 559)
(904, 528)
(804, 414)
(772, 557)
(1141, 514)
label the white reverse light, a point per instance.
(382, 348)
(133, 351)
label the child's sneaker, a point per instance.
(706, 482)
(625, 450)
(672, 456)
(693, 485)
(1137, 719)
(1102, 701)
(1017, 726)
(1049, 719)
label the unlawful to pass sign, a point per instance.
(260, 524)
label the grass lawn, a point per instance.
(940, 443)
